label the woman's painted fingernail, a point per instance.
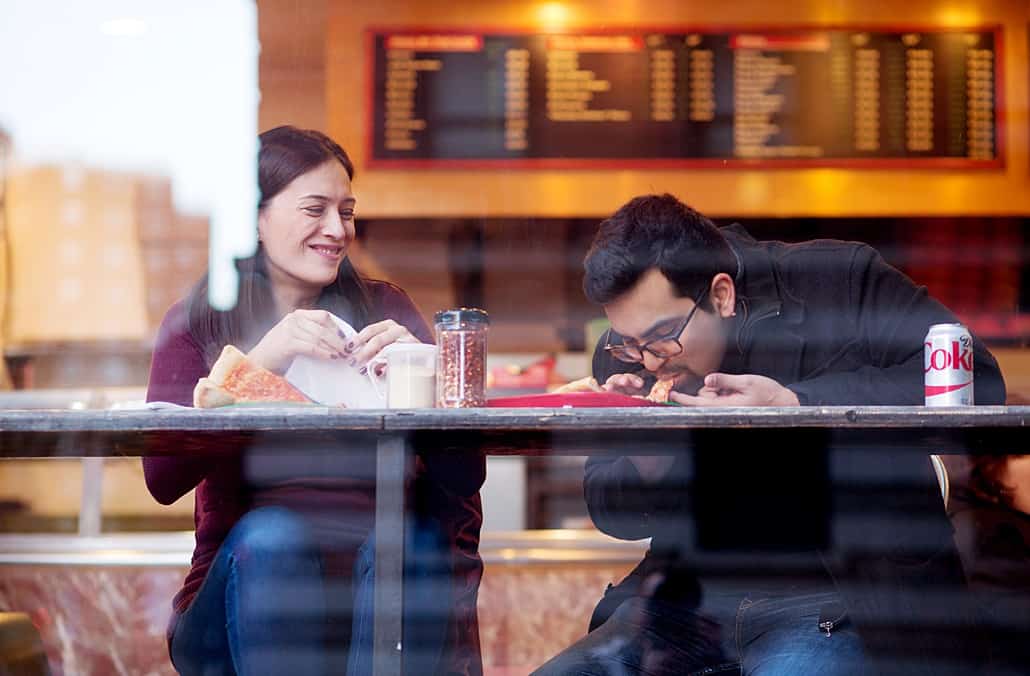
(353, 362)
(334, 356)
(364, 370)
(341, 334)
(349, 346)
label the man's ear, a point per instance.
(723, 293)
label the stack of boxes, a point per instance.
(525, 259)
(96, 255)
(411, 254)
(5, 160)
(76, 269)
(173, 245)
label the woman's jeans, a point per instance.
(427, 586)
(754, 634)
(269, 606)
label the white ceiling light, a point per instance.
(125, 27)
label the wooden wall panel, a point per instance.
(292, 63)
(781, 192)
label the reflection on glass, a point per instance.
(118, 132)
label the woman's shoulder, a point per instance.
(177, 361)
(175, 322)
(382, 290)
(392, 302)
(174, 331)
(388, 299)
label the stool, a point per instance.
(21, 648)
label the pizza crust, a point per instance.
(208, 394)
(582, 385)
(660, 391)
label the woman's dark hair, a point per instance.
(286, 153)
(655, 231)
(986, 478)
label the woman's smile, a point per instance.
(331, 252)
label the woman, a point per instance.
(990, 509)
(278, 528)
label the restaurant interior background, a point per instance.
(94, 253)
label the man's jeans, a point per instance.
(267, 605)
(755, 634)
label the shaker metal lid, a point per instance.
(461, 315)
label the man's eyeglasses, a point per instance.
(662, 347)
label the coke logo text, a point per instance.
(958, 357)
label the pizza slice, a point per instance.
(208, 394)
(235, 379)
(582, 385)
(659, 393)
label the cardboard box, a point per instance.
(157, 216)
(76, 271)
(171, 270)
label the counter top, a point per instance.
(299, 418)
(47, 433)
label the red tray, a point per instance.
(573, 399)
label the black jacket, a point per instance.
(836, 324)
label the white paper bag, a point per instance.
(334, 382)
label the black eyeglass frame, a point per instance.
(634, 354)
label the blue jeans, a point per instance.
(269, 605)
(427, 586)
(754, 634)
(265, 603)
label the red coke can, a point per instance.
(948, 365)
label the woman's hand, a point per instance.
(361, 348)
(309, 332)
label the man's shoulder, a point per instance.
(824, 246)
(786, 250)
(806, 255)
(816, 270)
(837, 254)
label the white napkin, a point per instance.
(334, 382)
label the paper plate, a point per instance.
(571, 399)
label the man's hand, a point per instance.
(721, 389)
(625, 383)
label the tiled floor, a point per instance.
(110, 620)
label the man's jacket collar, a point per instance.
(761, 294)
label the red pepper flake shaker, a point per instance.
(461, 357)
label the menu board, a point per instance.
(782, 97)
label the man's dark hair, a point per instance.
(655, 231)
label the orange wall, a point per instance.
(778, 192)
(292, 63)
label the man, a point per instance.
(738, 322)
